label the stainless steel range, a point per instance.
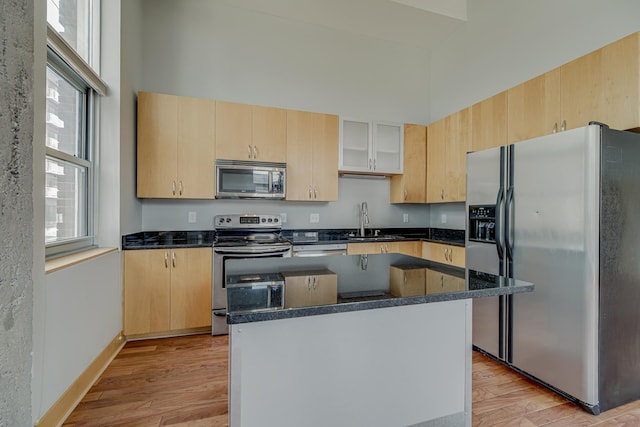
(242, 236)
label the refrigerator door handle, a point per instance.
(498, 229)
(507, 223)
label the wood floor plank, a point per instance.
(183, 382)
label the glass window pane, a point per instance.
(64, 115)
(66, 201)
(70, 18)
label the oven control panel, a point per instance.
(247, 221)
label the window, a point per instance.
(72, 89)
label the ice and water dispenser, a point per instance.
(482, 223)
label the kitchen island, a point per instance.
(360, 340)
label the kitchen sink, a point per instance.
(372, 238)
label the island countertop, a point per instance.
(282, 288)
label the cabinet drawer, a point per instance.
(444, 254)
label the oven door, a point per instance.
(219, 291)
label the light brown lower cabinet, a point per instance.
(406, 281)
(444, 254)
(309, 288)
(438, 282)
(411, 248)
(166, 290)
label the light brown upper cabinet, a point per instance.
(449, 140)
(601, 86)
(489, 127)
(604, 86)
(250, 132)
(410, 187)
(312, 156)
(534, 107)
(176, 150)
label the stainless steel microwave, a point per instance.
(237, 179)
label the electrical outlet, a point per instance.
(443, 218)
(192, 217)
(284, 217)
(314, 218)
(405, 217)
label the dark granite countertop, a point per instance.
(204, 238)
(363, 283)
(168, 239)
(328, 236)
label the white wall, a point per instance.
(83, 314)
(507, 42)
(172, 214)
(213, 50)
(217, 51)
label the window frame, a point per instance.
(68, 64)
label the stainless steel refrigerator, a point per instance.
(562, 212)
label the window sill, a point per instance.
(57, 264)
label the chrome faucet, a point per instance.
(364, 217)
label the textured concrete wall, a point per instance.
(16, 224)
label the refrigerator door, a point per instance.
(555, 246)
(485, 177)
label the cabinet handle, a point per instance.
(166, 260)
(381, 248)
(405, 278)
(173, 259)
(173, 187)
(255, 152)
(405, 194)
(310, 193)
(315, 192)
(314, 282)
(374, 164)
(370, 163)
(555, 128)
(564, 126)
(442, 193)
(180, 188)
(441, 281)
(248, 151)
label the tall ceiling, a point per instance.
(419, 23)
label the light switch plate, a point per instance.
(314, 218)
(192, 217)
(283, 215)
(443, 218)
(405, 217)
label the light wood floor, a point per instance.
(183, 382)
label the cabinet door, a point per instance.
(410, 187)
(325, 157)
(458, 145)
(157, 147)
(533, 107)
(269, 126)
(388, 146)
(300, 125)
(233, 131)
(324, 289)
(146, 296)
(435, 282)
(489, 123)
(406, 282)
(413, 249)
(190, 288)
(196, 148)
(296, 291)
(444, 254)
(603, 86)
(436, 157)
(355, 145)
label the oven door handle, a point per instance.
(253, 251)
